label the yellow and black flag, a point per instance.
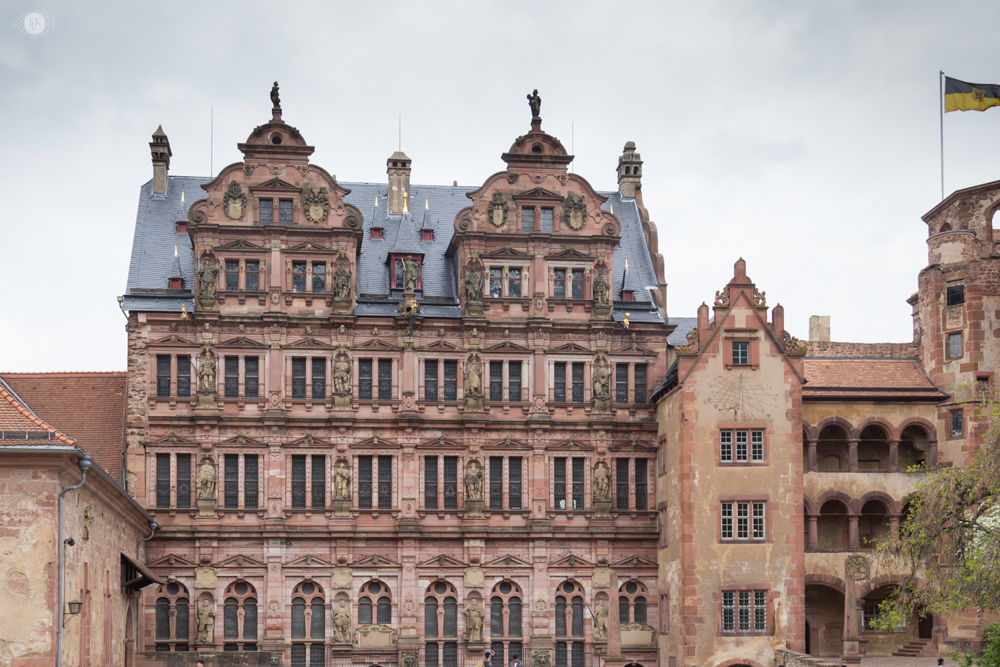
(962, 96)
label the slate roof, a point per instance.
(20, 426)
(867, 377)
(152, 263)
(679, 335)
(88, 407)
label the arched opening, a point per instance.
(570, 649)
(824, 620)
(172, 615)
(374, 604)
(440, 623)
(873, 449)
(873, 525)
(833, 526)
(129, 637)
(913, 447)
(308, 624)
(505, 622)
(831, 449)
(240, 617)
(944, 228)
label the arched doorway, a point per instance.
(925, 627)
(129, 637)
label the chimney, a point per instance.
(398, 168)
(819, 328)
(778, 319)
(629, 168)
(159, 147)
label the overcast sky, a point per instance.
(802, 136)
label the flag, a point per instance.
(962, 96)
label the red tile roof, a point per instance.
(20, 426)
(89, 407)
(874, 377)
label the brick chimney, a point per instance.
(159, 147)
(629, 171)
(398, 168)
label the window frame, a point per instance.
(378, 477)
(756, 592)
(751, 504)
(243, 490)
(950, 339)
(954, 294)
(505, 494)
(732, 430)
(173, 641)
(753, 350)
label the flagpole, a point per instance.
(941, 110)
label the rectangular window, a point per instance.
(577, 277)
(726, 446)
(319, 377)
(451, 482)
(232, 275)
(742, 455)
(547, 220)
(514, 283)
(299, 377)
(559, 481)
(741, 353)
(956, 423)
(578, 382)
(163, 375)
(514, 478)
(426, 234)
(399, 275)
(496, 482)
(298, 482)
(250, 481)
(377, 233)
(251, 369)
(956, 295)
(285, 210)
(365, 379)
(757, 445)
(955, 346)
(514, 381)
(298, 276)
(365, 482)
(318, 482)
(232, 480)
(496, 283)
(430, 482)
(450, 380)
(319, 277)
(640, 383)
(253, 276)
(741, 446)
(232, 377)
(559, 284)
(183, 375)
(527, 219)
(431, 381)
(870, 614)
(496, 381)
(727, 521)
(621, 484)
(628, 295)
(744, 611)
(559, 386)
(641, 484)
(578, 463)
(163, 480)
(266, 212)
(385, 482)
(621, 383)
(758, 521)
(729, 611)
(183, 480)
(384, 379)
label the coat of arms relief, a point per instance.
(316, 204)
(234, 202)
(575, 211)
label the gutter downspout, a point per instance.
(84, 463)
(153, 526)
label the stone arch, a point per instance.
(892, 506)
(849, 430)
(844, 499)
(812, 508)
(927, 426)
(738, 663)
(812, 432)
(881, 422)
(827, 580)
(867, 586)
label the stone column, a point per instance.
(932, 453)
(813, 532)
(894, 456)
(894, 525)
(852, 455)
(853, 540)
(813, 463)
(855, 568)
(614, 655)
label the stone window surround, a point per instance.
(588, 464)
(356, 480)
(289, 260)
(615, 361)
(741, 336)
(355, 377)
(422, 359)
(385, 591)
(550, 376)
(220, 478)
(174, 640)
(769, 509)
(151, 452)
(642, 592)
(460, 475)
(613, 457)
(152, 365)
(317, 594)
(505, 284)
(947, 345)
(220, 627)
(429, 592)
(242, 257)
(220, 375)
(526, 367)
(525, 457)
(327, 477)
(743, 426)
(568, 265)
(769, 594)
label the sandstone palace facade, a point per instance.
(390, 423)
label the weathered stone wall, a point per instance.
(841, 349)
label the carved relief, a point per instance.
(575, 211)
(473, 383)
(205, 577)
(602, 288)
(206, 623)
(88, 521)
(497, 210)
(856, 567)
(473, 622)
(205, 480)
(473, 481)
(316, 204)
(234, 202)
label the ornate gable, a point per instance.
(633, 445)
(508, 444)
(506, 252)
(441, 443)
(507, 560)
(239, 560)
(376, 344)
(242, 341)
(375, 442)
(570, 446)
(309, 560)
(172, 561)
(308, 342)
(309, 440)
(243, 441)
(374, 560)
(174, 339)
(570, 254)
(571, 347)
(538, 193)
(570, 560)
(173, 439)
(634, 560)
(442, 560)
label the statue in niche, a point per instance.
(473, 483)
(206, 623)
(473, 376)
(208, 278)
(275, 100)
(410, 271)
(602, 482)
(342, 624)
(602, 288)
(343, 482)
(473, 283)
(535, 102)
(205, 481)
(342, 375)
(602, 378)
(342, 282)
(206, 372)
(601, 621)
(473, 622)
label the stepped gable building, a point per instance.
(397, 418)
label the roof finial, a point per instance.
(275, 100)
(406, 201)
(175, 250)
(427, 202)
(535, 102)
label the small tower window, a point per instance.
(426, 234)
(628, 295)
(182, 227)
(377, 233)
(176, 283)
(956, 295)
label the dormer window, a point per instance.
(176, 283)
(628, 295)
(182, 228)
(426, 234)
(398, 264)
(377, 233)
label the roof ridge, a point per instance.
(869, 358)
(10, 397)
(65, 373)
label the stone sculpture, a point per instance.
(473, 376)
(410, 271)
(342, 375)
(473, 284)
(473, 483)
(206, 481)
(206, 623)
(602, 288)
(601, 622)
(535, 102)
(473, 622)
(343, 482)
(342, 282)
(342, 623)
(275, 100)
(206, 372)
(602, 483)
(208, 279)
(602, 379)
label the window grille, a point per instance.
(183, 375)
(232, 377)
(496, 381)
(451, 380)
(640, 383)
(741, 353)
(364, 611)
(954, 345)
(317, 625)
(622, 610)
(266, 212)
(758, 521)
(757, 445)
(514, 381)
(578, 464)
(232, 628)
(163, 375)
(365, 490)
(729, 611)
(365, 379)
(577, 277)
(496, 283)
(430, 617)
(163, 480)
(639, 610)
(298, 482)
(560, 617)
(559, 284)
(514, 474)
(956, 295)
(431, 485)
(298, 276)
(384, 485)
(251, 366)
(232, 463)
(621, 383)
(285, 209)
(430, 380)
(250, 481)
(299, 620)
(384, 614)
(561, 654)
(319, 277)
(318, 482)
(956, 422)
(182, 620)
(621, 495)
(384, 379)
(546, 219)
(163, 618)
(451, 482)
(726, 446)
(514, 283)
(577, 616)
(450, 654)
(514, 617)
(496, 617)
(450, 617)
(253, 276)
(560, 493)
(430, 653)
(183, 480)
(319, 377)
(578, 659)
(298, 655)
(641, 484)
(527, 219)
(578, 382)
(496, 482)
(299, 377)
(232, 275)
(559, 386)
